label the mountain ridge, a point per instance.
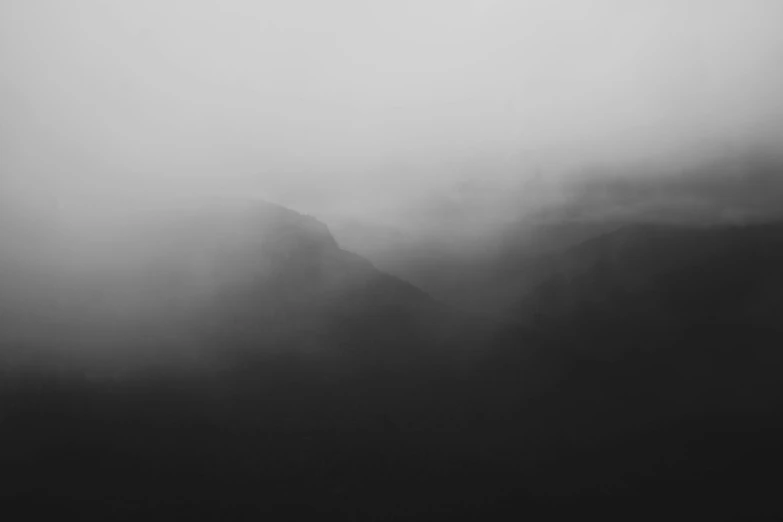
(205, 273)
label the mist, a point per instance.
(387, 259)
(378, 111)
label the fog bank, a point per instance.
(385, 112)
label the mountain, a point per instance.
(214, 278)
(323, 385)
(486, 268)
(328, 387)
(481, 276)
(655, 320)
(653, 351)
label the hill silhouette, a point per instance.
(638, 379)
(215, 277)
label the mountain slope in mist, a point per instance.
(662, 317)
(270, 305)
(664, 346)
(488, 272)
(482, 276)
(214, 278)
(569, 413)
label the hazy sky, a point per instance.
(366, 105)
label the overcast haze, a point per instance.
(367, 108)
(391, 259)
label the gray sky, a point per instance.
(370, 107)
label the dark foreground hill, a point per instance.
(226, 356)
(663, 345)
(326, 389)
(704, 302)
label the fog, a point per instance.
(166, 350)
(374, 110)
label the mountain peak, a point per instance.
(217, 276)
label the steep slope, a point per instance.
(567, 415)
(210, 279)
(488, 271)
(484, 275)
(332, 390)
